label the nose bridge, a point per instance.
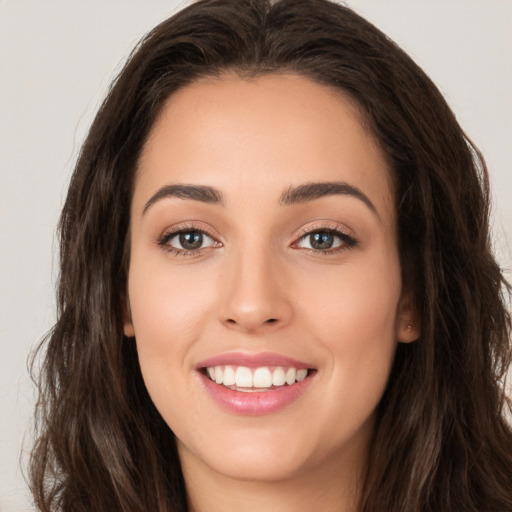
(255, 294)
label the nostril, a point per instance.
(251, 324)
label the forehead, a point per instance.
(267, 133)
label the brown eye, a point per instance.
(191, 241)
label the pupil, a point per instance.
(191, 240)
(321, 240)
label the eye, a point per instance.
(325, 240)
(187, 241)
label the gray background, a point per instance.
(56, 60)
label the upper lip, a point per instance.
(253, 360)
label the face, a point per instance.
(264, 287)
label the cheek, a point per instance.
(169, 310)
(356, 302)
(353, 318)
(168, 307)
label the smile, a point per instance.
(261, 379)
(255, 384)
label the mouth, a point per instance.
(255, 380)
(255, 384)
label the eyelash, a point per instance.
(165, 239)
(348, 241)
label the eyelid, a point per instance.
(324, 225)
(340, 230)
(189, 226)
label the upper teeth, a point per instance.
(262, 377)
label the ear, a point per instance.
(128, 329)
(408, 323)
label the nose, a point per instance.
(256, 296)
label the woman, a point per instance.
(276, 284)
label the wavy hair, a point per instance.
(441, 441)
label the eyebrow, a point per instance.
(311, 191)
(200, 193)
(293, 195)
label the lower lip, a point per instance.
(255, 403)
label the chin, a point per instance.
(250, 456)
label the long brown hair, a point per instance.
(441, 441)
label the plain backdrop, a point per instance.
(56, 61)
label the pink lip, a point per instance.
(254, 403)
(252, 360)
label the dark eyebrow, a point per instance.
(311, 191)
(201, 193)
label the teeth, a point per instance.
(243, 377)
(290, 376)
(278, 377)
(229, 376)
(255, 379)
(262, 378)
(301, 374)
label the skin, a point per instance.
(257, 286)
